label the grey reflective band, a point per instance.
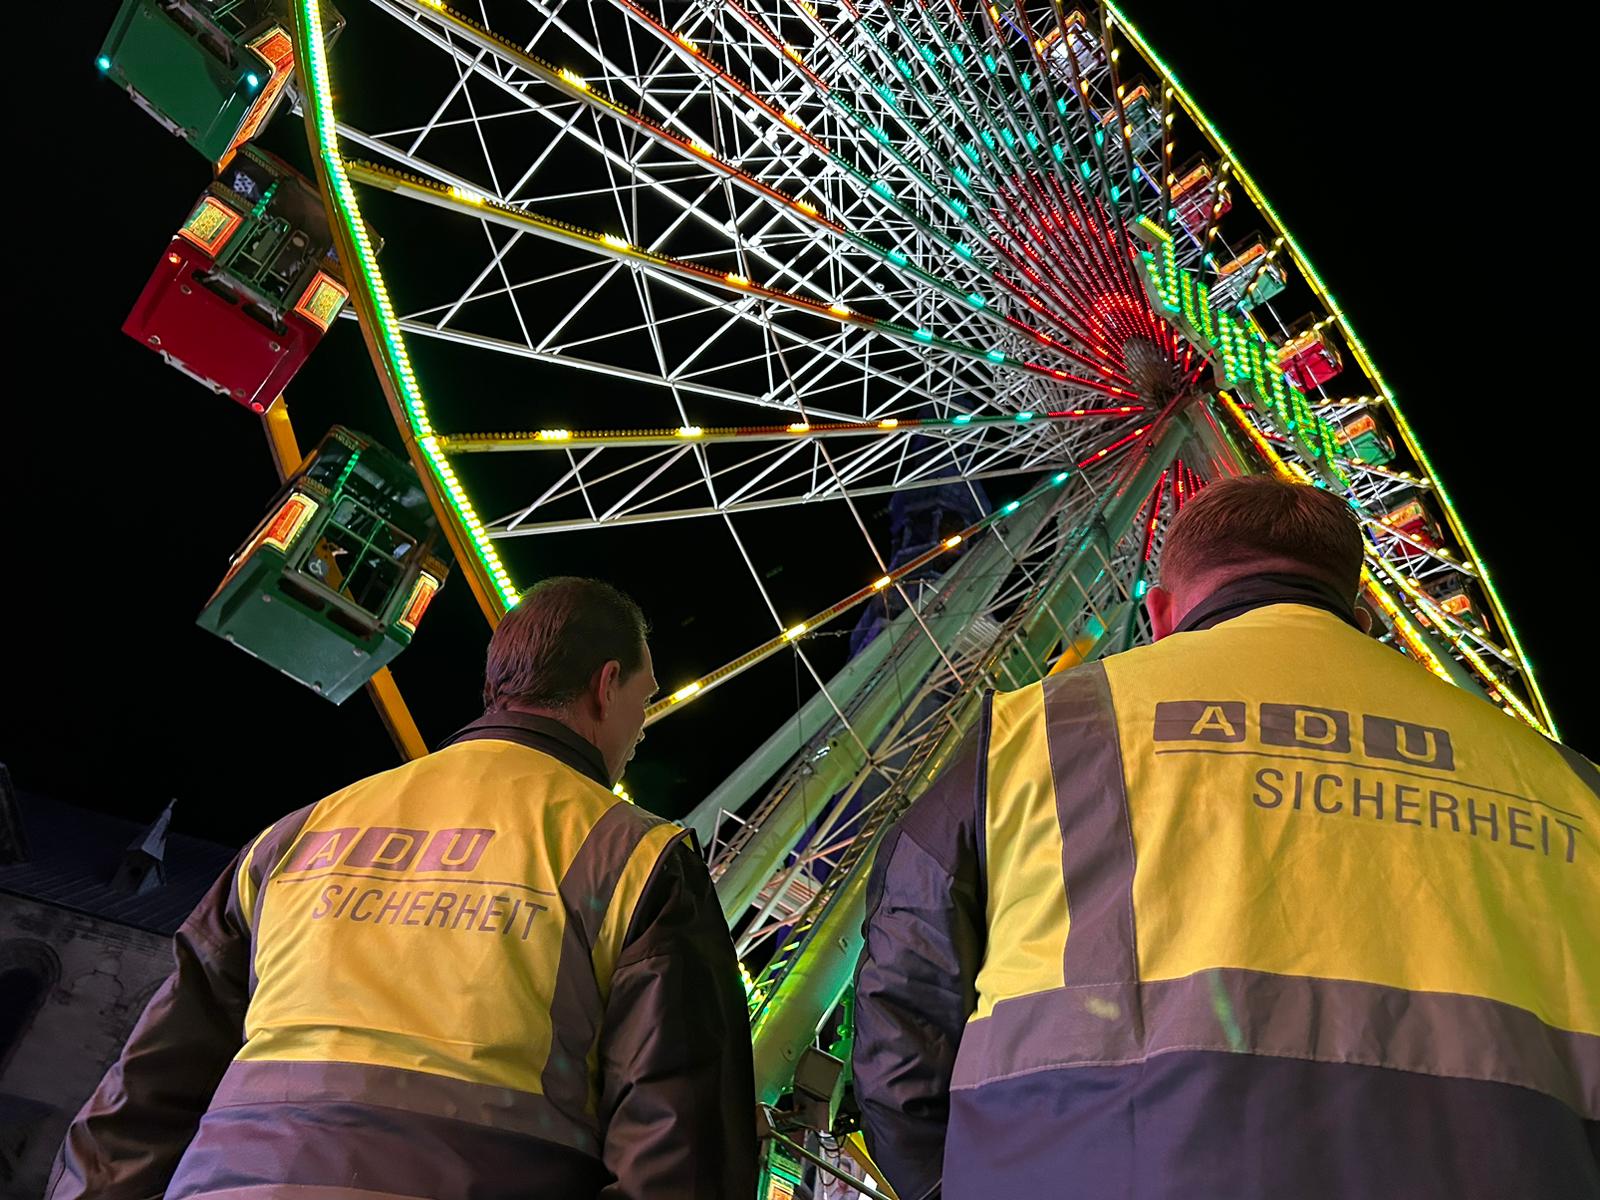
(588, 889)
(1256, 1012)
(424, 1093)
(1096, 839)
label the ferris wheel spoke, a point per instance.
(631, 375)
(660, 267)
(939, 460)
(469, 199)
(941, 210)
(689, 206)
(575, 524)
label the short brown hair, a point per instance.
(545, 651)
(1259, 522)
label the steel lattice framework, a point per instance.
(838, 250)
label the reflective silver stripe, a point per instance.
(576, 1004)
(1287, 1016)
(1096, 837)
(265, 855)
(265, 1082)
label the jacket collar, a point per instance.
(1257, 591)
(537, 733)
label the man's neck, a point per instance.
(542, 730)
(580, 723)
(1239, 596)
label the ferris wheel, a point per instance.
(803, 256)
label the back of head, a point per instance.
(546, 651)
(1258, 524)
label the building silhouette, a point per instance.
(88, 906)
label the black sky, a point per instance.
(1406, 165)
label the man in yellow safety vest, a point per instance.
(1261, 910)
(479, 975)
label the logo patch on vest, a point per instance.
(1302, 725)
(1200, 721)
(389, 848)
(1306, 727)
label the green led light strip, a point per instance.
(1365, 359)
(396, 362)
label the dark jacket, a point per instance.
(478, 975)
(1262, 910)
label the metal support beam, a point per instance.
(967, 587)
(816, 714)
(809, 991)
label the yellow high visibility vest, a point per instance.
(1278, 836)
(458, 918)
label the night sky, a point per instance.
(1393, 157)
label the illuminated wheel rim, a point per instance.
(840, 251)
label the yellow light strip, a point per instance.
(789, 636)
(1404, 628)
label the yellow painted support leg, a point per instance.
(385, 693)
(855, 1147)
(281, 441)
(394, 714)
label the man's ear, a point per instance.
(607, 682)
(1162, 609)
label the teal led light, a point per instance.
(1060, 479)
(964, 419)
(964, 250)
(253, 80)
(897, 258)
(103, 63)
(1061, 155)
(923, 335)
(1024, 416)
(1061, 105)
(996, 356)
(1011, 508)
(976, 300)
(1027, 82)
(1140, 588)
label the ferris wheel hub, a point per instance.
(1152, 369)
